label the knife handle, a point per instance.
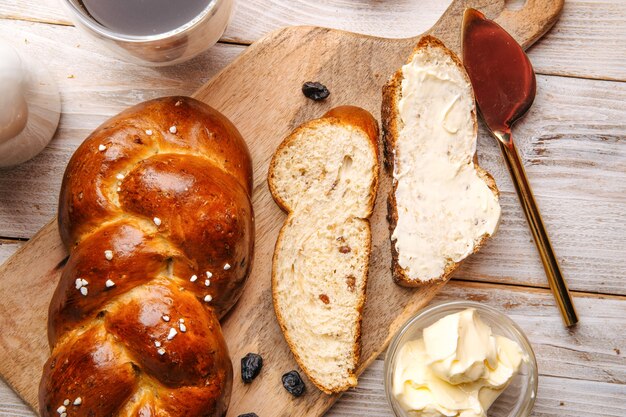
(538, 230)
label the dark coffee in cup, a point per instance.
(143, 17)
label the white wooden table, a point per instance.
(573, 143)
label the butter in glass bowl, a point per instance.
(460, 359)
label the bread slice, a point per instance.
(443, 206)
(325, 176)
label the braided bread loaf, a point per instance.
(155, 211)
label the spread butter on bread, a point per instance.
(443, 206)
(325, 176)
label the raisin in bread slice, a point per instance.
(443, 206)
(325, 176)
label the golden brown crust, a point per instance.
(363, 120)
(392, 92)
(154, 196)
(200, 130)
(390, 118)
(357, 117)
(350, 115)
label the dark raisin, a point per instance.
(315, 91)
(251, 365)
(293, 383)
(351, 281)
(248, 415)
(345, 249)
(324, 298)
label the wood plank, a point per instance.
(245, 92)
(8, 248)
(575, 156)
(11, 405)
(44, 11)
(580, 369)
(586, 42)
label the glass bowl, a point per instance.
(167, 48)
(517, 400)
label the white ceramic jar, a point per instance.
(30, 106)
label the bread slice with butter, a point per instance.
(325, 176)
(443, 206)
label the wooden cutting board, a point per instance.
(260, 93)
